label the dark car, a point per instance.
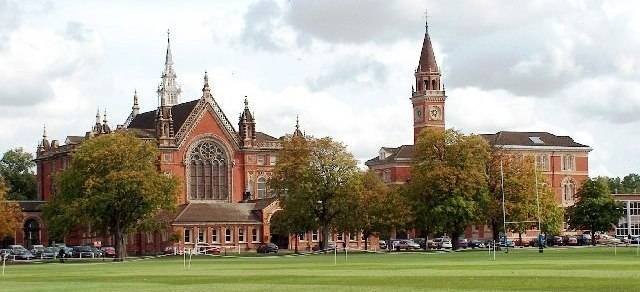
(463, 242)
(267, 248)
(421, 242)
(108, 252)
(21, 254)
(45, 252)
(82, 251)
(475, 243)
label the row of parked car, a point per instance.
(18, 252)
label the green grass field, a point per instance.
(573, 269)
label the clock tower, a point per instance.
(428, 96)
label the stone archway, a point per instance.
(31, 233)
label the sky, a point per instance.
(345, 67)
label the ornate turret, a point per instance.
(247, 126)
(206, 90)
(44, 144)
(169, 91)
(97, 127)
(135, 109)
(105, 126)
(297, 132)
(428, 96)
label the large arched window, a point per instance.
(208, 172)
(31, 232)
(568, 190)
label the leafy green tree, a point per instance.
(449, 180)
(376, 209)
(10, 213)
(316, 176)
(596, 208)
(631, 183)
(113, 185)
(16, 167)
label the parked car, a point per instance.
(44, 252)
(421, 242)
(110, 252)
(97, 253)
(446, 244)
(463, 242)
(270, 247)
(635, 240)
(475, 243)
(584, 239)
(330, 246)
(407, 244)
(82, 251)
(523, 243)
(208, 249)
(21, 254)
(608, 240)
(438, 242)
(5, 252)
(570, 240)
(383, 244)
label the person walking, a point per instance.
(61, 255)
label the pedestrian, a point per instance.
(61, 255)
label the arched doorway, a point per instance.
(31, 233)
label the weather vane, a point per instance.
(426, 19)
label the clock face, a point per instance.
(435, 113)
(418, 114)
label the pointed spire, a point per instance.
(44, 132)
(169, 58)
(135, 109)
(206, 90)
(44, 144)
(98, 116)
(427, 61)
(297, 132)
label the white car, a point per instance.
(608, 240)
(447, 244)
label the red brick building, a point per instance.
(224, 199)
(564, 161)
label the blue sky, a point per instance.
(345, 67)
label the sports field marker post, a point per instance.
(4, 262)
(335, 256)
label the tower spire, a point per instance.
(206, 90)
(247, 126)
(169, 57)
(297, 132)
(169, 91)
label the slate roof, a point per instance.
(503, 138)
(180, 113)
(198, 212)
(404, 152)
(264, 137)
(427, 56)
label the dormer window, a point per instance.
(536, 140)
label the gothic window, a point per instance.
(568, 190)
(433, 85)
(262, 187)
(568, 162)
(542, 162)
(426, 85)
(208, 172)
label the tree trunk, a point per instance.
(325, 236)
(593, 237)
(495, 231)
(296, 243)
(366, 240)
(454, 240)
(120, 246)
(520, 238)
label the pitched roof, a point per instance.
(218, 212)
(404, 152)
(260, 204)
(264, 137)
(504, 138)
(180, 113)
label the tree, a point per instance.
(631, 183)
(316, 177)
(113, 185)
(596, 208)
(10, 214)
(376, 209)
(16, 167)
(449, 180)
